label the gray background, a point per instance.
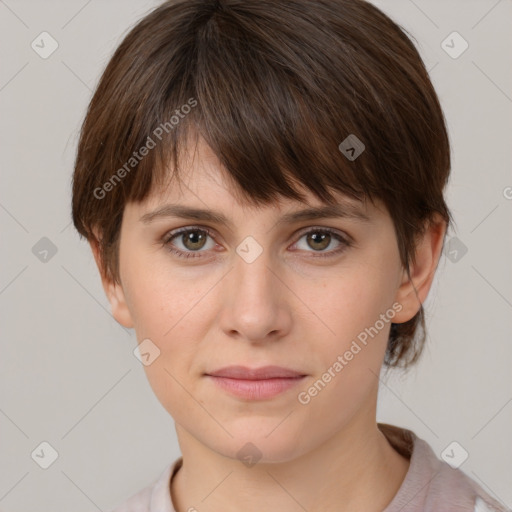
(69, 376)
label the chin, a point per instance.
(259, 441)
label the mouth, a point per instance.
(255, 383)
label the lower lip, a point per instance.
(256, 389)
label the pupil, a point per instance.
(321, 237)
(194, 237)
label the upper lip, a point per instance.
(264, 372)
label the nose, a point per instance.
(256, 305)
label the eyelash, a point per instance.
(168, 237)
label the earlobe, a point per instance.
(119, 307)
(114, 291)
(413, 291)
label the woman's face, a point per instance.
(316, 297)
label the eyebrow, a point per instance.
(345, 210)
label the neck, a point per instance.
(356, 469)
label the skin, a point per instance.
(288, 307)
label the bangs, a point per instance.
(271, 113)
(263, 160)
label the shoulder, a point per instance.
(431, 484)
(484, 506)
(138, 502)
(155, 497)
(453, 489)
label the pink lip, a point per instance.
(245, 373)
(255, 384)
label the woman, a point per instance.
(261, 183)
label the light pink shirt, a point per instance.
(430, 485)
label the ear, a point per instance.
(428, 251)
(114, 291)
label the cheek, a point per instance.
(158, 298)
(352, 300)
(167, 310)
(349, 359)
(357, 307)
(168, 316)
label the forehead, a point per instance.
(203, 179)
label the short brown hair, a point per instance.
(277, 86)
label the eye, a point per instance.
(191, 238)
(194, 239)
(320, 238)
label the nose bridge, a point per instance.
(254, 307)
(252, 273)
